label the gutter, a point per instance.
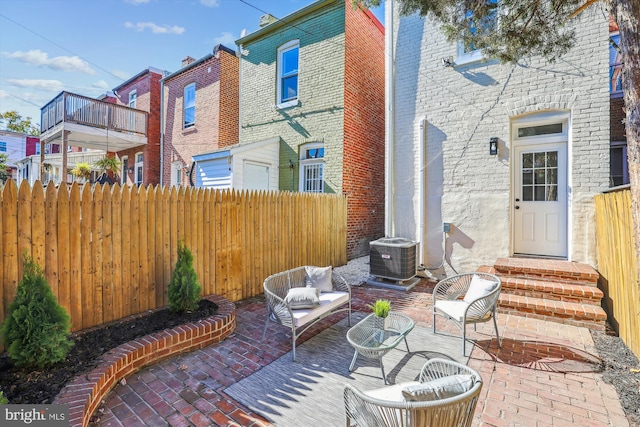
(161, 131)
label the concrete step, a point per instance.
(556, 291)
(583, 315)
(547, 269)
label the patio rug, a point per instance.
(308, 392)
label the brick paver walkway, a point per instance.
(540, 377)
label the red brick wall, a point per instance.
(181, 144)
(229, 99)
(147, 88)
(617, 115)
(364, 130)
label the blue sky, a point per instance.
(91, 46)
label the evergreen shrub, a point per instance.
(36, 330)
(184, 288)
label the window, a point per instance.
(133, 96)
(469, 53)
(312, 168)
(38, 148)
(618, 164)
(125, 170)
(189, 105)
(3, 146)
(288, 55)
(540, 176)
(176, 174)
(615, 65)
(138, 168)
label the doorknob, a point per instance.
(517, 207)
(517, 200)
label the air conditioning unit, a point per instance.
(393, 258)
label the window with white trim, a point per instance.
(470, 53)
(176, 174)
(288, 60)
(138, 168)
(618, 164)
(38, 148)
(189, 108)
(125, 170)
(133, 97)
(312, 168)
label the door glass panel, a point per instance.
(539, 180)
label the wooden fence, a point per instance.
(109, 252)
(617, 265)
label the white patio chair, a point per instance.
(464, 299)
(388, 407)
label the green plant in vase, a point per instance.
(82, 171)
(381, 310)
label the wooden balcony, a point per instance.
(91, 123)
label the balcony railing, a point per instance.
(71, 108)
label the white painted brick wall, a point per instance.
(468, 105)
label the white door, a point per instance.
(540, 199)
(256, 176)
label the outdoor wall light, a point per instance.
(493, 146)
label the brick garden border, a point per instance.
(84, 394)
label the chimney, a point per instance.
(267, 19)
(187, 60)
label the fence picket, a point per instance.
(75, 258)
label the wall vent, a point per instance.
(393, 258)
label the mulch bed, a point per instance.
(622, 370)
(41, 387)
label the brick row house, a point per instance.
(200, 111)
(141, 164)
(314, 82)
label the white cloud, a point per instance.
(52, 85)
(60, 63)
(137, 2)
(227, 39)
(100, 84)
(210, 3)
(155, 28)
(4, 94)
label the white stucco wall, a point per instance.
(464, 107)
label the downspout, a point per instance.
(390, 120)
(421, 187)
(162, 130)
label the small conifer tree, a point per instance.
(36, 330)
(184, 289)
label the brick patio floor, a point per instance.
(542, 376)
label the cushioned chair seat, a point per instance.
(328, 301)
(392, 393)
(455, 309)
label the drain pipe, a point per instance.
(162, 129)
(390, 120)
(421, 187)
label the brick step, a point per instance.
(568, 292)
(547, 269)
(584, 315)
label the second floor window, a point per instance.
(469, 52)
(133, 96)
(288, 55)
(615, 64)
(3, 146)
(190, 105)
